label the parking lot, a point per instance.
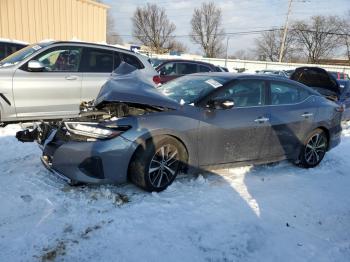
(278, 212)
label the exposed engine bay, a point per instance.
(88, 113)
(109, 111)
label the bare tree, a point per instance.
(345, 30)
(152, 27)
(318, 38)
(207, 30)
(268, 46)
(242, 54)
(177, 46)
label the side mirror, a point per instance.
(221, 104)
(35, 66)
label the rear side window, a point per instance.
(131, 60)
(203, 68)
(97, 60)
(186, 68)
(283, 93)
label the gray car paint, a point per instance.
(212, 137)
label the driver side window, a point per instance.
(245, 93)
(61, 59)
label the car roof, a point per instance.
(187, 61)
(53, 42)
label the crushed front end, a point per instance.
(91, 148)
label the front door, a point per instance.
(55, 91)
(236, 134)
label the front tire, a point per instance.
(313, 149)
(156, 164)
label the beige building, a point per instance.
(35, 20)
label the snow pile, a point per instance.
(268, 213)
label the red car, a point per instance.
(171, 69)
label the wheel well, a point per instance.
(143, 145)
(160, 136)
(326, 131)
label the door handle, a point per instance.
(71, 77)
(261, 120)
(306, 115)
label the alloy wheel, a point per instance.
(315, 149)
(164, 165)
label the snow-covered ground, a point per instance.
(266, 213)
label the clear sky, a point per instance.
(238, 16)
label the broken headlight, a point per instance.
(94, 130)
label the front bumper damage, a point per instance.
(97, 162)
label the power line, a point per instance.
(252, 32)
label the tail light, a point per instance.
(340, 108)
(156, 80)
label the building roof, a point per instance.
(95, 3)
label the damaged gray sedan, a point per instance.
(133, 131)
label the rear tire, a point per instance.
(156, 164)
(314, 149)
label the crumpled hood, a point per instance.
(316, 78)
(129, 85)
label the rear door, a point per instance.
(292, 113)
(186, 68)
(236, 134)
(96, 67)
(52, 92)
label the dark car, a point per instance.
(172, 69)
(221, 69)
(280, 73)
(9, 47)
(135, 131)
(325, 83)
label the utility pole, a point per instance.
(285, 31)
(228, 37)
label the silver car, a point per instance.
(50, 80)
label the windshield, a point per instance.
(190, 89)
(20, 55)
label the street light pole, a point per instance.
(285, 31)
(227, 38)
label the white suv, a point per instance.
(49, 80)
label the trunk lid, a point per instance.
(318, 79)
